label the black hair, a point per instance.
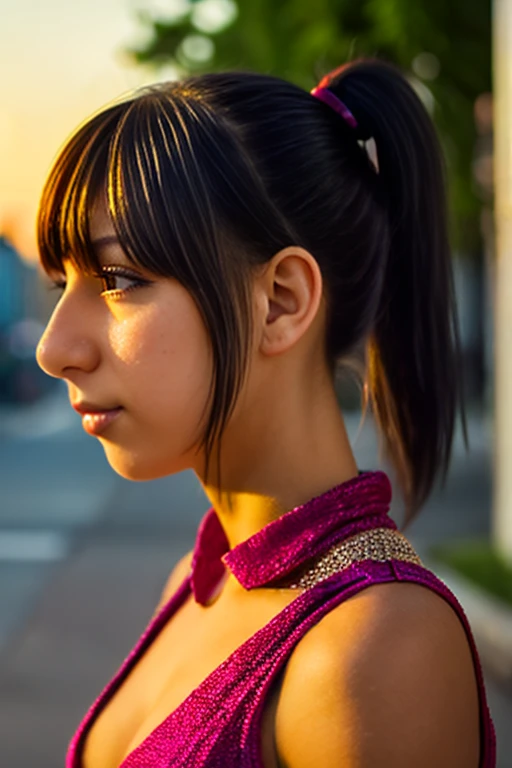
(207, 178)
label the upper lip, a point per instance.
(85, 407)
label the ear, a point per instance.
(289, 294)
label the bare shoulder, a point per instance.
(176, 576)
(386, 678)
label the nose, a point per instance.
(68, 343)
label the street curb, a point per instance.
(490, 620)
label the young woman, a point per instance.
(223, 243)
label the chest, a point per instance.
(193, 643)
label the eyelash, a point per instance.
(110, 273)
(113, 272)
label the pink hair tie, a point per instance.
(329, 98)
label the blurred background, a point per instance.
(84, 554)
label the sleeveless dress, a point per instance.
(329, 548)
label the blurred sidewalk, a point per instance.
(98, 599)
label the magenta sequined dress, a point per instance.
(218, 725)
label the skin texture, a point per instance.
(145, 348)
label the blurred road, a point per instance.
(84, 555)
(53, 484)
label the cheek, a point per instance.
(163, 363)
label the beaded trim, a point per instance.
(379, 544)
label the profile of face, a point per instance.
(135, 354)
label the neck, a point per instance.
(273, 464)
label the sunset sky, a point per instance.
(60, 60)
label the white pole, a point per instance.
(502, 62)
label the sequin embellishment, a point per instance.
(219, 724)
(379, 544)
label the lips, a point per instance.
(84, 407)
(96, 419)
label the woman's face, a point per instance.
(136, 357)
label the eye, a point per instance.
(113, 282)
(117, 281)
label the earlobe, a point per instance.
(292, 290)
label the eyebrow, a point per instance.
(101, 242)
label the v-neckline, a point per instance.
(204, 683)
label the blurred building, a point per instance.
(21, 316)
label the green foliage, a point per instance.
(300, 40)
(478, 562)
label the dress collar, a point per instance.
(284, 544)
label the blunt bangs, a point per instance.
(74, 182)
(142, 156)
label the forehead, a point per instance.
(100, 223)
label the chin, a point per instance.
(134, 467)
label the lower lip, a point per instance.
(96, 423)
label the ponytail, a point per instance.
(414, 377)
